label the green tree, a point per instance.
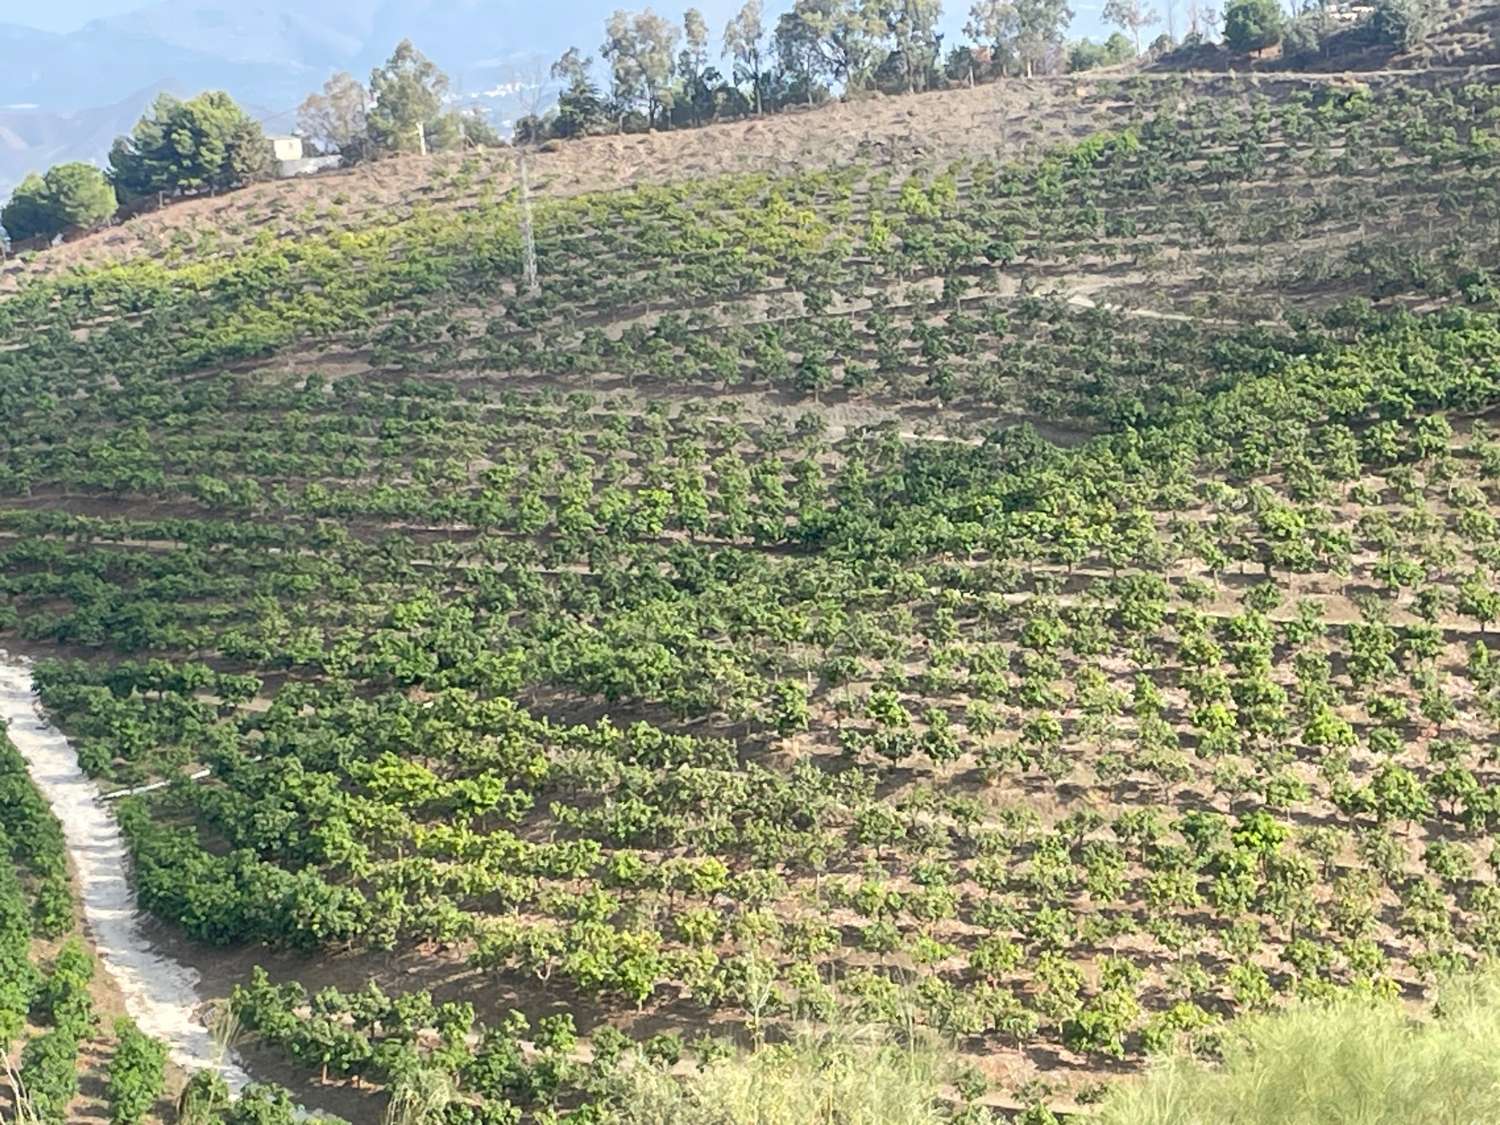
(1086, 55)
(69, 195)
(744, 37)
(204, 144)
(29, 214)
(580, 109)
(1252, 25)
(844, 37)
(801, 68)
(638, 47)
(912, 27)
(1399, 23)
(338, 118)
(1131, 16)
(1039, 26)
(692, 61)
(992, 23)
(407, 94)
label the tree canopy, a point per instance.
(407, 93)
(69, 195)
(638, 47)
(1252, 25)
(207, 143)
(338, 117)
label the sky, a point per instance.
(63, 15)
(69, 15)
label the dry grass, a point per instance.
(1353, 1062)
(839, 1077)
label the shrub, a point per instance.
(137, 1073)
(1301, 39)
(262, 1105)
(203, 1100)
(49, 1074)
(64, 997)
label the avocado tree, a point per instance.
(137, 1074)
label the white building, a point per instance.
(285, 147)
(289, 158)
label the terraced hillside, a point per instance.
(1040, 595)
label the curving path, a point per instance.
(160, 994)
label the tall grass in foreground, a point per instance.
(1350, 1062)
(843, 1077)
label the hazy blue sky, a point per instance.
(63, 15)
(66, 15)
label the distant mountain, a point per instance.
(34, 139)
(20, 43)
(273, 52)
(65, 92)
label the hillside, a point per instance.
(66, 93)
(1452, 33)
(1016, 563)
(1017, 119)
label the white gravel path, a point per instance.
(160, 994)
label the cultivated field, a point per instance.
(1028, 579)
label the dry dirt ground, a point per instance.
(1011, 117)
(935, 126)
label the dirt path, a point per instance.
(160, 994)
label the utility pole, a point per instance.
(422, 139)
(463, 132)
(528, 241)
(530, 87)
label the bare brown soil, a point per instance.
(1011, 117)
